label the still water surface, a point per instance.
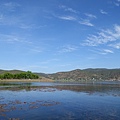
(64, 101)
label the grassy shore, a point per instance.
(28, 80)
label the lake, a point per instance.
(64, 101)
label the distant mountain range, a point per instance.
(87, 74)
(78, 74)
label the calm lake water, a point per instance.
(64, 101)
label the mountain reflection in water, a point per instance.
(37, 100)
(100, 88)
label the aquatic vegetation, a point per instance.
(18, 105)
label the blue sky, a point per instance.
(59, 35)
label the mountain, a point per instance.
(78, 74)
(87, 74)
(42, 75)
(10, 71)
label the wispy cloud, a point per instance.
(90, 15)
(71, 10)
(25, 26)
(31, 26)
(8, 19)
(106, 51)
(67, 18)
(117, 3)
(103, 12)
(65, 8)
(82, 21)
(104, 36)
(68, 48)
(11, 6)
(74, 17)
(13, 39)
(102, 51)
(15, 19)
(115, 45)
(86, 22)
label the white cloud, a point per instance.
(31, 26)
(102, 51)
(68, 48)
(65, 8)
(104, 37)
(108, 51)
(116, 45)
(24, 26)
(10, 20)
(67, 18)
(90, 15)
(105, 52)
(117, 29)
(11, 6)
(117, 4)
(103, 12)
(71, 10)
(86, 22)
(13, 38)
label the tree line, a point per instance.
(23, 75)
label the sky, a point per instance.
(49, 36)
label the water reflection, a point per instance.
(99, 88)
(28, 101)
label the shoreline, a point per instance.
(27, 80)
